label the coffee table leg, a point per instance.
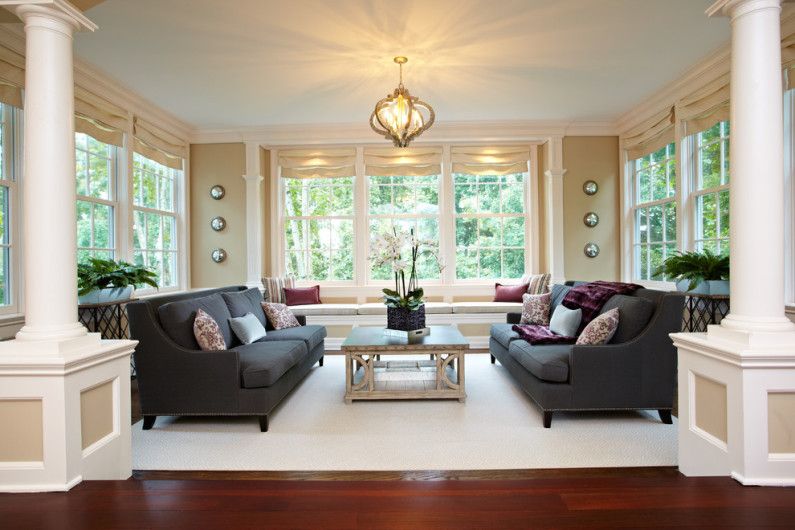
(460, 358)
(348, 377)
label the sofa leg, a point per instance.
(665, 416)
(149, 422)
(493, 359)
(320, 362)
(263, 423)
(547, 419)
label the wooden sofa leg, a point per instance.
(149, 422)
(320, 362)
(263, 423)
(547, 419)
(665, 416)
(493, 359)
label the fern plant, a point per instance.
(99, 273)
(695, 266)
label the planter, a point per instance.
(716, 287)
(403, 319)
(110, 294)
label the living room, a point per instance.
(480, 244)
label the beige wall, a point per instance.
(781, 422)
(711, 409)
(96, 413)
(265, 168)
(591, 158)
(223, 164)
(23, 418)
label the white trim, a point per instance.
(254, 228)
(441, 132)
(554, 209)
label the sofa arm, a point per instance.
(513, 318)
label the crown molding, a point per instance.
(360, 133)
(103, 85)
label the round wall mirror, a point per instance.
(591, 250)
(217, 192)
(219, 255)
(590, 187)
(590, 219)
(218, 223)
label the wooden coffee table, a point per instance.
(370, 374)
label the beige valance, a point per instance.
(788, 61)
(12, 77)
(99, 118)
(158, 145)
(651, 135)
(318, 163)
(705, 107)
(500, 160)
(409, 161)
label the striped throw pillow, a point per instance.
(274, 288)
(537, 283)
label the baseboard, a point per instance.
(781, 482)
(40, 488)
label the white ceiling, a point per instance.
(239, 63)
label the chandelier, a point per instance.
(398, 116)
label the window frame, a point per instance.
(696, 193)
(13, 157)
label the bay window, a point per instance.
(9, 201)
(711, 188)
(653, 211)
(95, 169)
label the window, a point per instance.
(95, 168)
(155, 189)
(654, 211)
(9, 117)
(405, 203)
(318, 228)
(489, 225)
(711, 189)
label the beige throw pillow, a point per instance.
(601, 329)
(535, 309)
(280, 316)
(207, 332)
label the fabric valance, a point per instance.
(410, 161)
(158, 145)
(12, 77)
(705, 107)
(318, 163)
(502, 160)
(99, 118)
(651, 135)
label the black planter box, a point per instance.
(403, 319)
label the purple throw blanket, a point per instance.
(591, 297)
(535, 334)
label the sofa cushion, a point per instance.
(176, 318)
(324, 309)
(558, 293)
(263, 363)
(548, 362)
(243, 302)
(504, 334)
(311, 335)
(487, 307)
(378, 308)
(633, 315)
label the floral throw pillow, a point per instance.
(535, 309)
(280, 316)
(601, 329)
(207, 332)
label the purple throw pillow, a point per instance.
(302, 295)
(509, 293)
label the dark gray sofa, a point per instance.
(176, 378)
(635, 370)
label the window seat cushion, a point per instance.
(324, 309)
(487, 307)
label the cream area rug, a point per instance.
(498, 427)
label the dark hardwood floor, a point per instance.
(665, 499)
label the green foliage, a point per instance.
(695, 266)
(103, 273)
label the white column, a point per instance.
(48, 205)
(737, 381)
(554, 209)
(757, 160)
(254, 228)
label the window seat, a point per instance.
(473, 319)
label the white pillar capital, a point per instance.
(738, 8)
(57, 15)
